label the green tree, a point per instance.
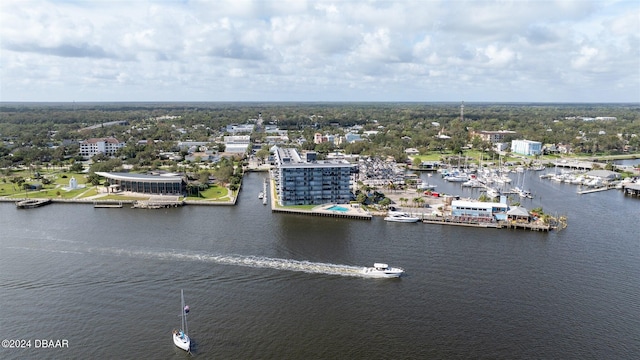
(76, 167)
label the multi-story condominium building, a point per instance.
(307, 181)
(526, 147)
(95, 146)
(493, 136)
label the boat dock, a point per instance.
(605, 188)
(526, 226)
(32, 203)
(158, 202)
(632, 190)
(265, 194)
(107, 205)
(470, 222)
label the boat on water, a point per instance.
(180, 336)
(525, 194)
(426, 186)
(260, 195)
(381, 270)
(399, 216)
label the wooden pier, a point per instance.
(604, 188)
(107, 205)
(526, 226)
(447, 220)
(158, 202)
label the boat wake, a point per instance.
(238, 260)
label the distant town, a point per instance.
(316, 154)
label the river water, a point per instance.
(265, 285)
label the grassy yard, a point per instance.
(215, 193)
(55, 189)
(52, 192)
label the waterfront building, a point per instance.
(164, 184)
(308, 181)
(95, 146)
(526, 147)
(603, 175)
(479, 209)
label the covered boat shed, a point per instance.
(169, 184)
(518, 213)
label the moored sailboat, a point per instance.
(180, 336)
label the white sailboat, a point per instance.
(525, 194)
(180, 337)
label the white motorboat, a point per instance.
(399, 216)
(381, 270)
(180, 337)
(525, 194)
(426, 186)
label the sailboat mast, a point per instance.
(182, 309)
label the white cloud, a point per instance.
(395, 50)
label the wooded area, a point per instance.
(49, 133)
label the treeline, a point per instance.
(46, 132)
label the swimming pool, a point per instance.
(338, 208)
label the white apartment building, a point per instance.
(108, 146)
(526, 147)
(493, 136)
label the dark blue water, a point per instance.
(275, 286)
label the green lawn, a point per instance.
(215, 192)
(52, 192)
(57, 179)
(64, 178)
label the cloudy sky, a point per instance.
(340, 50)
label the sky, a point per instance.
(334, 51)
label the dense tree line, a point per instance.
(49, 133)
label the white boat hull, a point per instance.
(382, 271)
(404, 219)
(182, 341)
(399, 216)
